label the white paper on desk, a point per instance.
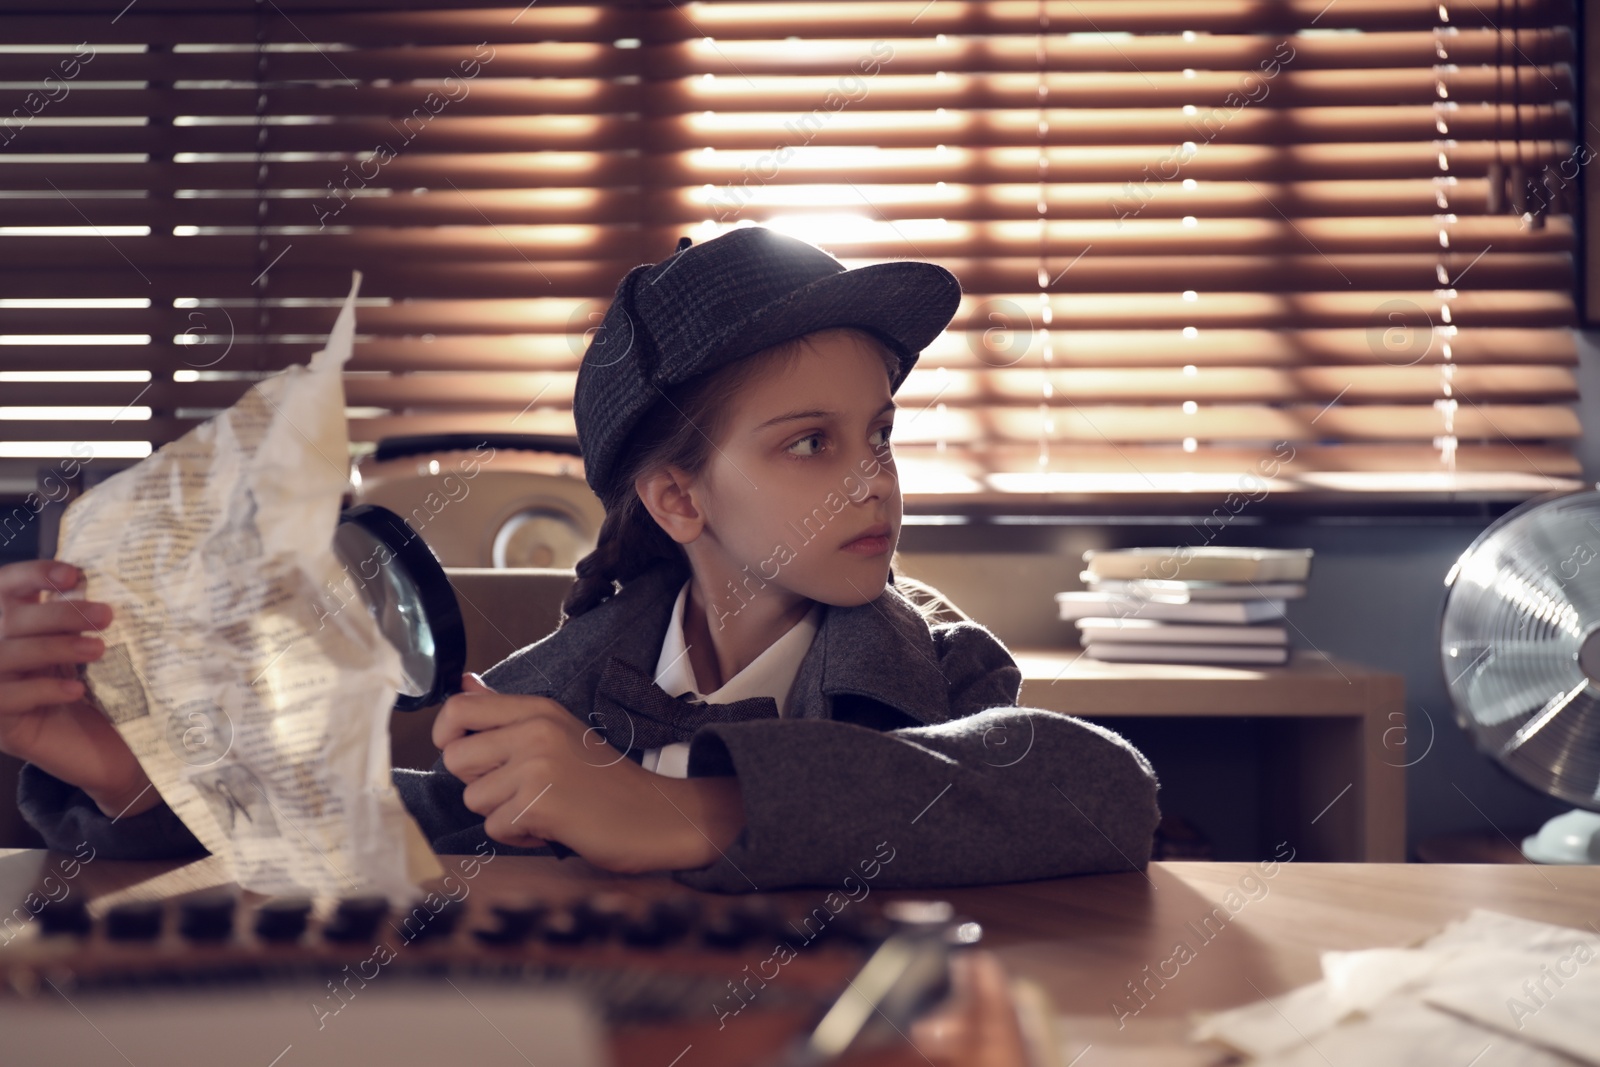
(1551, 998)
(1385, 1006)
(258, 708)
(1405, 1033)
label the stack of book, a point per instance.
(1187, 605)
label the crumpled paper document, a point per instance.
(1492, 989)
(257, 707)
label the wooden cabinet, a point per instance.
(1331, 736)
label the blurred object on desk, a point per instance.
(651, 965)
(553, 1027)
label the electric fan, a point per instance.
(1519, 638)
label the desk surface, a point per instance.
(1084, 939)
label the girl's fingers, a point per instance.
(25, 618)
(511, 822)
(20, 610)
(23, 583)
(24, 655)
(22, 695)
(26, 579)
(470, 758)
(471, 683)
(490, 791)
(467, 713)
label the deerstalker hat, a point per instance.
(708, 305)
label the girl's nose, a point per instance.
(876, 467)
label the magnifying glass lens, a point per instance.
(408, 595)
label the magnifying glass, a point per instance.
(406, 592)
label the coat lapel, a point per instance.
(880, 650)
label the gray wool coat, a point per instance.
(903, 739)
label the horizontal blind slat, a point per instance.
(1070, 425)
(976, 390)
(959, 348)
(1146, 168)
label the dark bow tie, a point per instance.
(633, 713)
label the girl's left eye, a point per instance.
(803, 440)
(884, 430)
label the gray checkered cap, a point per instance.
(726, 299)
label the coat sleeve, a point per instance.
(997, 793)
(67, 820)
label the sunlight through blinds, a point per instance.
(1323, 249)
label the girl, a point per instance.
(742, 692)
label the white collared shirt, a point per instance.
(768, 675)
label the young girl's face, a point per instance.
(804, 468)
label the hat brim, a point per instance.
(906, 303)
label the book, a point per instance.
(1151, 631)
(1115, 651)
(1178, 592)
(1208, 563)
(1084, 605)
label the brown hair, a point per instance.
(678, 434)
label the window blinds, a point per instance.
(1218, 249)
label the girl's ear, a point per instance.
(667, 496)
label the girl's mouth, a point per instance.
(871, 544)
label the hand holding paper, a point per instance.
(258, 709)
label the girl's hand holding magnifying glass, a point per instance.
(537, 773)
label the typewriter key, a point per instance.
(69, 915)
(282, 919)
(356, 918)
(135, 920)
(207, 916)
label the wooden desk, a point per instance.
(1083, 939)
(1333, 735)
